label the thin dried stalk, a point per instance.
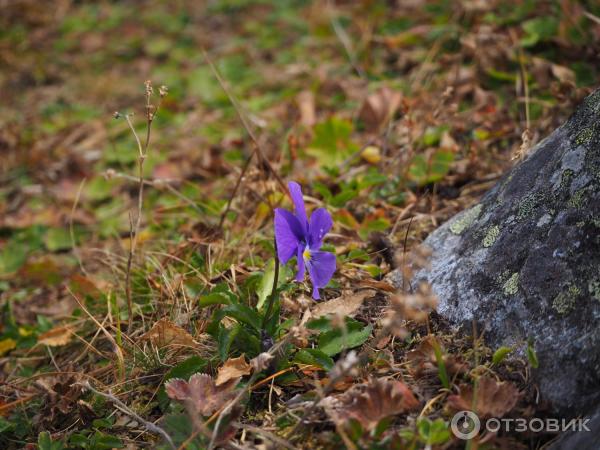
(142, 155)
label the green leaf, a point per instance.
(425, 171)
(335, 341)
(225, 340)
(331, 144)
(266, 284)
(433, 433)
(103, 441)
(244, 314)
(314, 357)
(214, 298)
(439, 357)
(500, 354)
(58, 239)
(12, 257)
(538, 30)
(532, 355)
(5, 425)
(44, 441)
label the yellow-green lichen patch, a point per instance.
(564, 302)
(578, 199)
(511, 286)
(594, 289)
(529, 204)
(491, 235)
(466, 220)
(566, 178)
(584, 136)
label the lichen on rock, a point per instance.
(491, 235)
(511, 286)
(538, 228)
(564, 302)
(463, 222)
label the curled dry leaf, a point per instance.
(493, 399)
(423, 360)
(56, 336)
(233, 369)
(371, 402)
(201, 393)
(165, 333)
(345, 305)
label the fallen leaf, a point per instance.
(56, 336)
(166, 333)
(423, 361)
(381, 285)
(306, 107)
(563, 74)
(84, 287)
(380, 107)
(201, 393)
(345, 305)
(493, 399)
(371, 402)
(7, 345)
(233, 369)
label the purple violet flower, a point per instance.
(296, 236)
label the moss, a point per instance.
(466, 220)
(529, 204)
(490, 237)
(511, 286)
(564, 302)
(594, 289)
(584, 136)
(578, 199)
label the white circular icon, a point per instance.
(465, 425)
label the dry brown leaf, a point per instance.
(165, 333)
(233, 369)
(380, 107)
(423, 361)
(56, 336)
(494, 399)
(371, 402)
(201, 393)
(345, 305)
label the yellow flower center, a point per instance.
(306, 254)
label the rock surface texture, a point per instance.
(524, 263)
